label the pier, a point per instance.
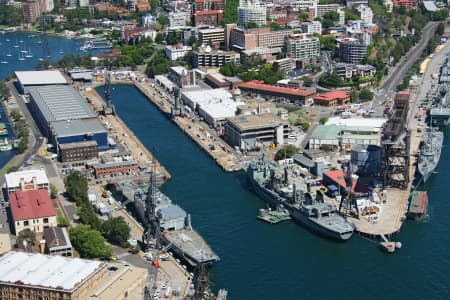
(198, 131)
(125, 136)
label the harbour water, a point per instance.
(58, 48)
(284, 261)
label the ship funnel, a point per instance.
(188, 222)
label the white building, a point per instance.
(389, 5)
(177, 51)
(49, 5)
(213, 105)
(27, 180)
(365, 13)
(311, 27)
(177, 19)
(305, 4)
(251, 11)
(148, 20)
(83, 3)
(303, 47)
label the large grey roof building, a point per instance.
(26, 79)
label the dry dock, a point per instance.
(198, 131)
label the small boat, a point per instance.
(21, 57)
(3, 62)
(29, 54)
(21, 41)
(39, 42)
(7, 40)
(9, 53)
(61, 51)
(6, 147)
(41, 59)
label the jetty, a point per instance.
(198, 131)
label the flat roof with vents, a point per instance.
(27, 78)
(46, 271)
(60, 103)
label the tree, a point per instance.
(4, 91)
(116, 231)
(307, 81)
(328, 43)
(274, 26)
(303, 17)
(77, 186)
(89, 243)
(323, 120)
(354, 96)
(252, 24)
(159, 38)
(53, 191)
(10, 16)
(286, 151)
(26, 235)
(61, 220)
(229, 13)
(15, 114)
(366, 95)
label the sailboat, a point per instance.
(4, 61)
(29, 54)
(61, 51)
(9, 53)
(16, 46)
(21, 56)
(7, 40)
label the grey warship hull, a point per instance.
(330, 224)
(430, 152)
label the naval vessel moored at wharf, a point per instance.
(315, 215)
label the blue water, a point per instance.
(284, 261)
(58, 48)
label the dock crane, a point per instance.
(350, 202)
(109, 108)
(152, 231)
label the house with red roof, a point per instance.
(32, 209)
(276, 92)
(332, 98)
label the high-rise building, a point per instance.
(351, 50)
(240, 39)
(303, 47)
(31, 10)
(251, 11)
(49, 5)
(311, 27)
(365, 13)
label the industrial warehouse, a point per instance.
(64, 116)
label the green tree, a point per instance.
(328, 43)
(4, 91)
(354, 96)
(10, 16)
(307, 81)
(163, 20)
(303, 17)
(53, 191)
(159, 38)
(252, 24)
(269, 74)
(274, 26)
(61, 220)
(89, 243)
(323, 120)
(15, 114)
(332, 79)
(229, 13)
(87, 215)
(26, 235)
(287, 151)
(351, 14)
(77, 186)
(116, 231)
(366, 95)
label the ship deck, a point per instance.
(191, 243)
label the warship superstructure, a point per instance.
(430, 152)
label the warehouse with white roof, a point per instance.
(26, 180)
(213, 105)
(38, 276)
(26, 79)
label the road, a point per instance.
(398, 72)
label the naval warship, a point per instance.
(430, 152)
(315, 215)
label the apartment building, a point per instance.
(207, 57)
(351, 50)
(303, 47)
(215, 36)
(240, 39)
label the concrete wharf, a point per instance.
(125, 136)
(197, 131)
(396, 207)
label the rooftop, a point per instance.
(77, 144)
(14, 179)
(45, 271)
(259, 85)
(333, 95)
(56, 237)
(31, 205)
(326, 132)
(77, 127)
(40, 77)
(352, 122)
(248, 122)
(61, 102)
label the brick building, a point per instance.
(208, 17)
(78, 151)
(332, 98)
